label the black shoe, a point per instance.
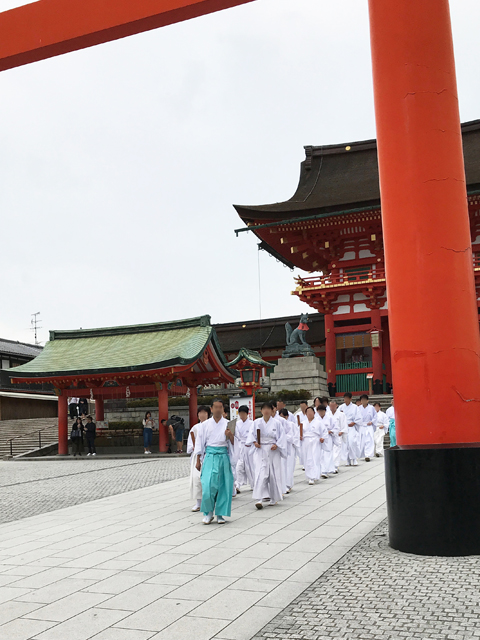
(367, 459)
(377, 455)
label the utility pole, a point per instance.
(35, 322)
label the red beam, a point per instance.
(48, 28)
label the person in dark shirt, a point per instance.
(76, 437)
(82, 407)
(90, 432)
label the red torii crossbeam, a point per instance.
(48, 28)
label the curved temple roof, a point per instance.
(123, 349)
(343, 176)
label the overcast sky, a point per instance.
(119, 164)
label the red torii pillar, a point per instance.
(433, 476)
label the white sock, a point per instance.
(199, 503)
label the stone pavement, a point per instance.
(32, 487)
(140, 565)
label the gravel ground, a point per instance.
(31, 488)
(376, 593)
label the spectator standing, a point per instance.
(76, 437)
(148, 426)
(82, 407)
(91, 434)
(73, 408)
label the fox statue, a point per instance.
(297, 336)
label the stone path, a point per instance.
(140, 565)
(29, 488)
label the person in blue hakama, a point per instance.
(214, 446)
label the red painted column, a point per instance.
(433, 315)
(192, 406)
(330, 352)
(162, 414)
(377, 356)
(99, 409)
(63, 424)
(386, 352)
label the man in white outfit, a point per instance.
(368, 418)
(340, 447)
(352, 415)
(390, 412)
(381, 430)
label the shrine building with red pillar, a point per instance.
(332, 228)
(141, 361)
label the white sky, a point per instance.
(119, 164)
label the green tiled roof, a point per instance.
(132, 348)
(252, 356)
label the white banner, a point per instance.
(238, 401)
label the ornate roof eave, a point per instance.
(253, 357)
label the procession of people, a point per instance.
(263, 453)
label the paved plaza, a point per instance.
(140, 564)
(136, 564)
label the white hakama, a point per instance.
(340, 448)
(311, 450)
(352, 415)
(269, 478)
(243, 455)
(330, 439)
(381, 430)
(293, 445)
(195, 482)
(367, 431)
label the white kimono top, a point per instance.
(390, 413)
(212, 434)
(317, 428)
(368, 414)
(242, 429)
(271, 432)
(382, 420)
(351, 413)
(341, 421)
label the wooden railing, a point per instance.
(358, 276)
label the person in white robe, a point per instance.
(300, 416)
(353, 423)
(340, 447)
(214, 451)
(243, 454)
(293, 444)
(314, 434)
(368, 417)
(267, 457)
(327, 466)
(203, 413)
(381, 430)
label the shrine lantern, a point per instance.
(249, 364)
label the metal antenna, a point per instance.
(35, 322)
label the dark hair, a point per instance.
(274, 403)
(321, 407)
(267, 404)
(347, 394)
(303, 402)
(202, 407)
(147, 413)
(284, 413)
(317, 398)
(281, 400)
(90, 418)
(216, 400)
(312, 408)
(325, 399)
(243, 409)
(377, 403)
(364, 395)
(163, 420)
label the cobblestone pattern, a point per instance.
(375, 593)
(31, 488)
